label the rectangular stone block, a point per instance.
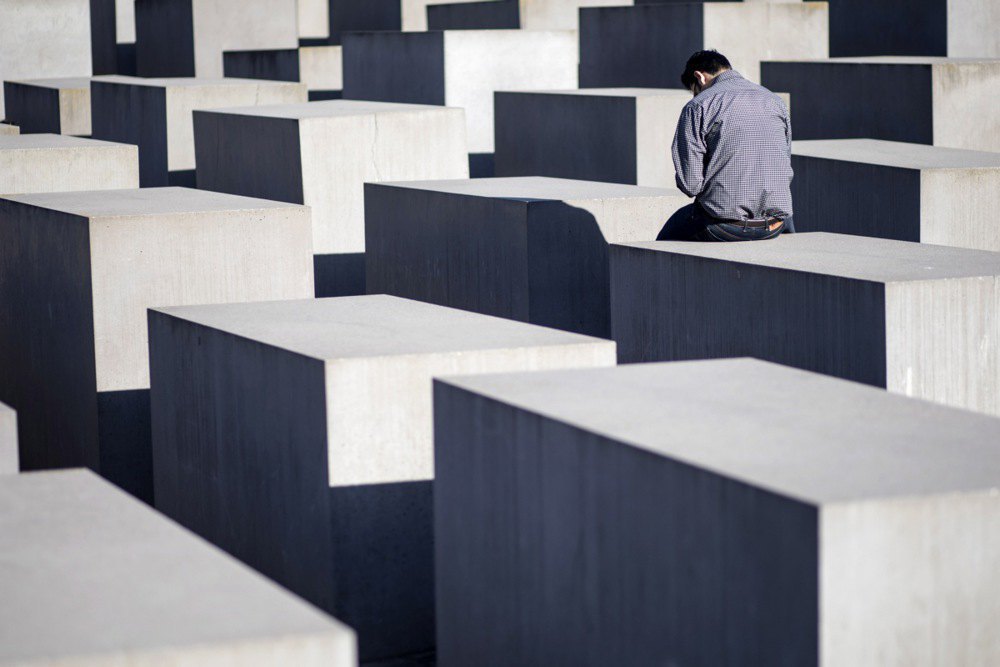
(708, 513)
(648, 45)
(530, 249)
(78, 271)
(910, 192)
(920, 100)
(43, 39)
(155, 115)
(55, 106)
(183, 38)
(6, 129)
(321, 154)
(918, 319)
(296, 435)
(8, 441)
(460, 68)
(58, 163)
(414, 12)
(319, 67)
(620, 135)
(524, 14)
(364, 16)
(92, 577)
(314, 19)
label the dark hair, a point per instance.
(710, 62)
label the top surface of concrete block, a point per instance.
(190, 82)
(614, 92)
(896, 154)
(143, 202)
(821, 440)
(327, 109)
(891, 60)
(27, 142)
(59, 83)
(847, 256)
(536, 188)
(92, 576)
(370, 326)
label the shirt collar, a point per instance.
(728, 74)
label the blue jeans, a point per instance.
(693, 223)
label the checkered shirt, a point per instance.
(732, 150)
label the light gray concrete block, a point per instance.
(8, 441)
(706, 513)
(523, 14)
(92, 577)
(296, 435)
(156, 115)
(649, 44)
(188, 38)
(44, 39)
(56, 106)
(125, 21)
(314, 19)
(910, 192)
(319, 67)
(530, 249)
(78, 271)
(921, 100)
(321, 154)
(414, 12)
(7, 129)
(57, 163)
(621, 135)
(918, 319)
(460, 68)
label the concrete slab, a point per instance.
(460, 68)
(56, 106)
(185, 39)
(910, 192)
(326, 151)
(314, 19)
(364, 16)
(414, 12)
(78, 271)
(918, 319)
(296, 435)
(524, 14)
(671, 505)
(620, 135)
(319, 67)
(530, 249)
(6, 129)
(58, 163)
(921, 100)
(93, 577)
(156, 115)
(8, 441)
(648, 45)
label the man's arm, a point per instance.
(788, 126)
(689, 152)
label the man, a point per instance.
(732, 153)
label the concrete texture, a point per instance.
(524, 14)
(78, 271)
(459, 68)
(909, 192)
(921, 100)
(56, 163)
(92, 577)
(56, 106)
(720, 512)
(414, 12)
(620, 135)
(319, 67)
(314, 19)
(48, 38)
(156, 115)
(648, 45)
(297, 436)
(529, 249)
(188, 37)
(363, 16)
(8, 441)
(104, 49)
(322, 153)
(918, 319)
(6, 130)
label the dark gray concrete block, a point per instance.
(706, 513)
(319, 67)
(103, 37)
(54, 106)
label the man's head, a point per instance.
(702, 67)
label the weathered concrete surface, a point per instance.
(458, 68)
(8, 441)
(909, 192)
(156, 115)
(921, 100)
(529, 249)
(322, 153)
(57, 163)
(524, 14)
(78, 271)
(297, 436)
(648, 45)
(674, 505)
(314, 19)
(918, 319)
(44, 39)
(188, 38)
(56, 106)
(319, 67)
(6, 129)
(620, 135)
(92, 577)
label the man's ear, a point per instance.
(702, 78)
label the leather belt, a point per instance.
(771, 224)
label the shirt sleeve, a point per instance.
(689, 152)
(788, 126)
